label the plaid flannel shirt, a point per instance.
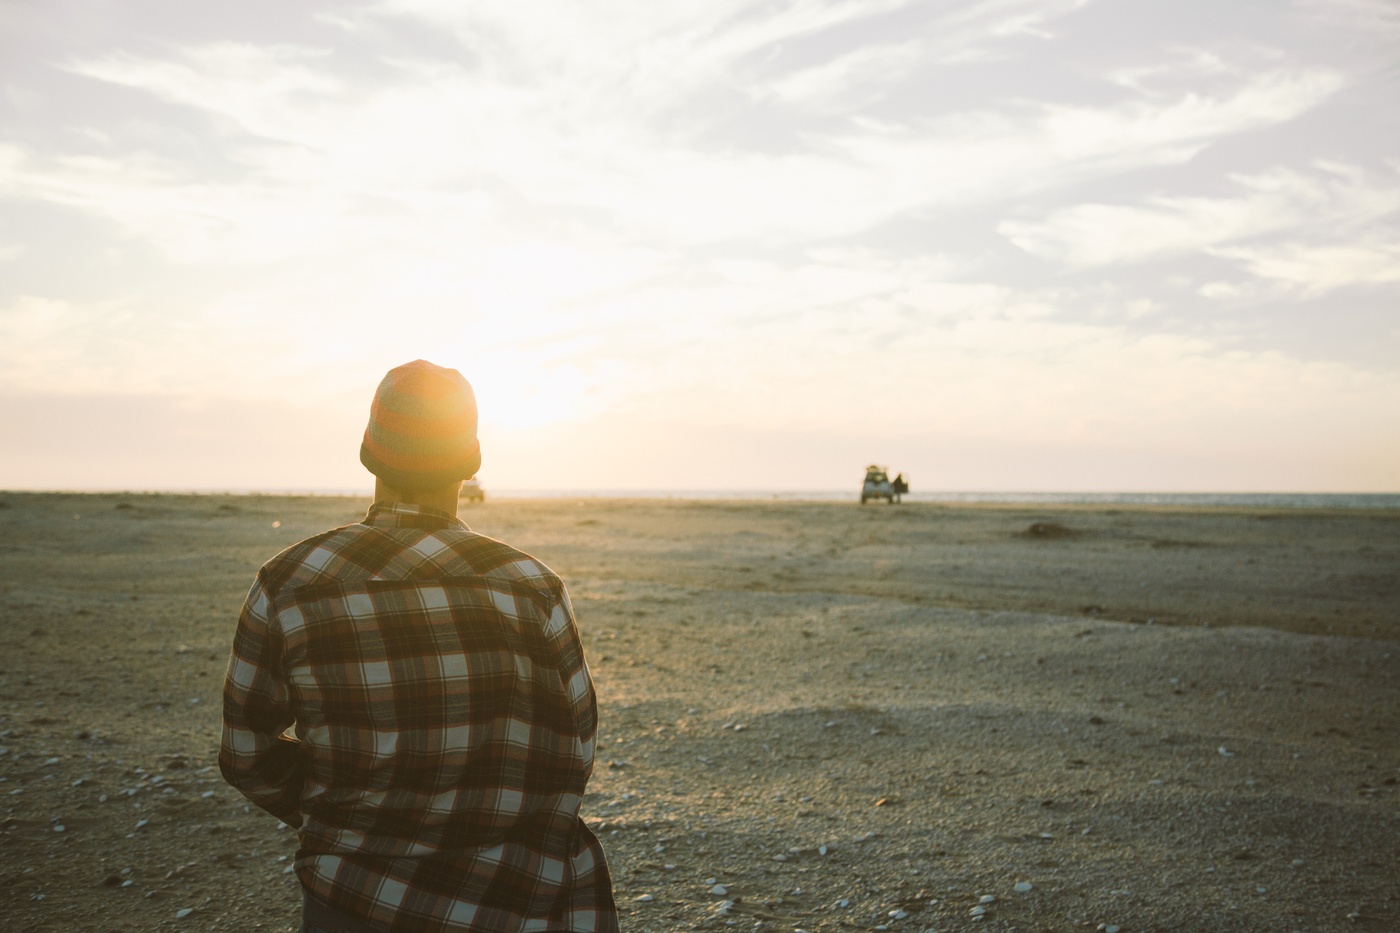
(444, 724)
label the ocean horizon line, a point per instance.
(1361, 500)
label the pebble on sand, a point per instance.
(1022, 887)
(183, 912)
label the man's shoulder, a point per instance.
(362, 551)
(489, 557)
(307, 557)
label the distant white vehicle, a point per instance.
(878, 485)
(472, 491)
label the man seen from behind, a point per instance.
(442, 717)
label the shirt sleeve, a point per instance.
(255, 755)
(563, 628)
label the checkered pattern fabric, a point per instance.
(443, 725)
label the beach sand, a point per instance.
(850, 717)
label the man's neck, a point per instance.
(443, 498)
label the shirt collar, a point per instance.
(410, 515)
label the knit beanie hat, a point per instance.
(422, 428)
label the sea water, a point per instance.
(1265, 500)
(1274, 500)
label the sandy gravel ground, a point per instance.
(820, 717)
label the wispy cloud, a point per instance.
(1275, 201)
(256, 84)
(1370, 21)
(1317, 268)
(854, 77)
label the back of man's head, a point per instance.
(422, 428)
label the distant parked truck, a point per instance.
(878, 485)
(472, 491)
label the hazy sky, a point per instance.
(1013, 244)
